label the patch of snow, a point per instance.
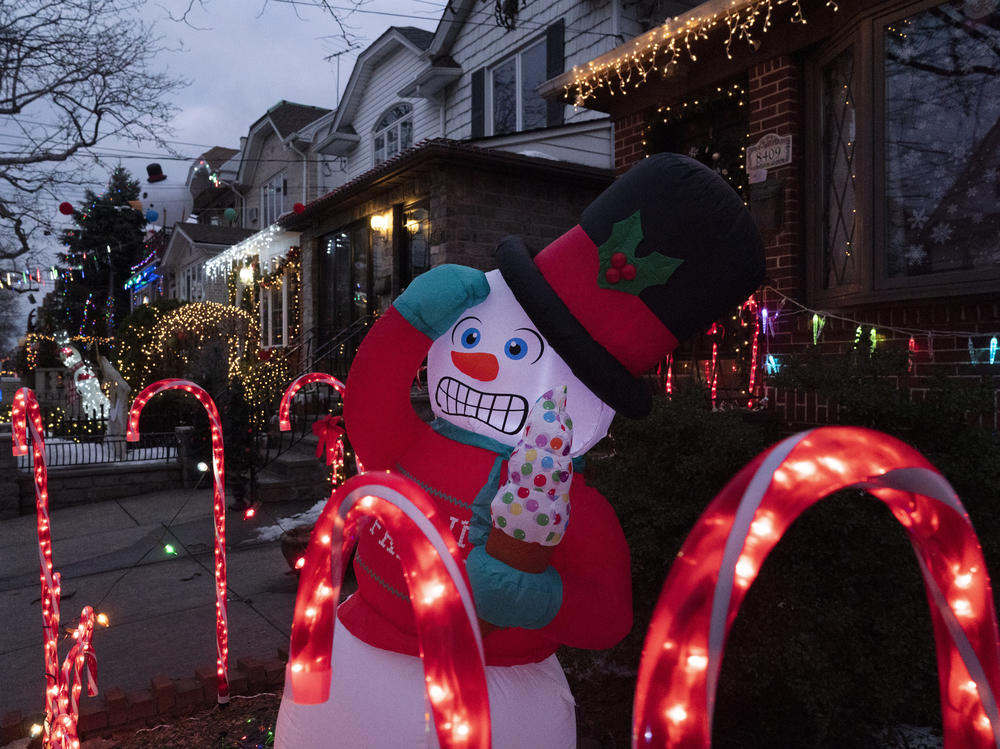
(309, 517)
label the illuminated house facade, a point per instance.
(275, 169)
(871, 161)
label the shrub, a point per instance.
(833, 644)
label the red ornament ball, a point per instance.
(298, 208)
(612, 275)
(618, 260)
(66, 208)
(628, 272)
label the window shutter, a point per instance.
(479, 103)
(555, 37)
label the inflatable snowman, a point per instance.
(526, 367)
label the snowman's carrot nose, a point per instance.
(483, 367)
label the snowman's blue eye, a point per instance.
(471, 337)
(515, 348)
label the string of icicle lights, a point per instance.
(659, 50)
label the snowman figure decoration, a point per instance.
(526, 367)
(84, 383)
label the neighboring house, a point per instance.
(447, 147)
(373, 122)
(440, 202)
(495, 98)
(212, 182)
(275, 169)
(473, 79)
(183, 265)
(146, 282)
(873, 141)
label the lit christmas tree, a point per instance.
(90, 297)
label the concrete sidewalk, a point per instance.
(161, 607)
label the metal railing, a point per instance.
(336, 354)
(62, 452)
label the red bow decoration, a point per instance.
(331, 439)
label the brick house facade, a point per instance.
(442, 201)
(832, 86)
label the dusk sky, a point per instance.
(243, 56)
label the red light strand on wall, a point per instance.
(715, 331)
(678, 674)
(219, 498)
(750, 305)
(447, 628)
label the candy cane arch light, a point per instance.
(26, 416)
(447, 628)
(679, 670)
(218, 470)
(285, 408)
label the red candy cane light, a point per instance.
(25, 415)
(447, 628)
(678, 674)
(218, 469)
(81, 656)
(60, 715)
(285, 407)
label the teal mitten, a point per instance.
(435, 299)
(507, 597)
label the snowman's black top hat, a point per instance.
(665, 251)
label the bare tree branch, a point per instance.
(72, 73)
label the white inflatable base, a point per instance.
(377, 701)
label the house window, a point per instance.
(910, 205)
(272, 199)
(516, 105)
(417, 249)
(504, 97)
(274, 314)
(393, 132)
(840, 219)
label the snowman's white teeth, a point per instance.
(505, 413)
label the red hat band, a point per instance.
(619, 321)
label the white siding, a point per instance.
(481, 43)
(589, 143)
(388, 76)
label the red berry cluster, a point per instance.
(620, 269)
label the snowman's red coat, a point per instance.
(592, 559)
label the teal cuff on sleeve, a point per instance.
(508, 597)
(435, 299)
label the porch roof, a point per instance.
(422, 156)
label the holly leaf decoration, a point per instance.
(621, 270)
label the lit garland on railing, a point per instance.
(661, 49)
